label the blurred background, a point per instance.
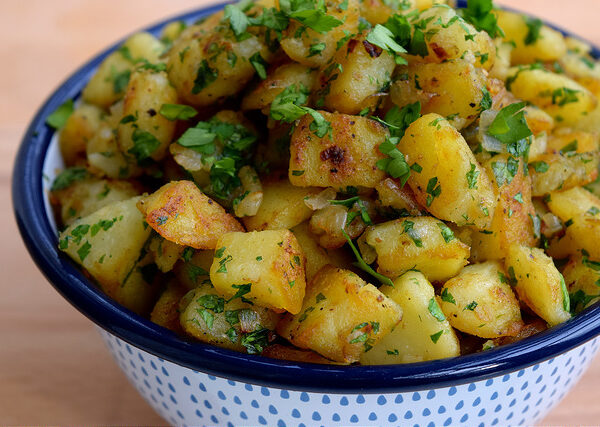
(54, 368)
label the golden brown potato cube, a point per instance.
(282, 206)
(514, 217)
(143, 132)
(566, 140)
(96, 243)
(105, 158)
(423, 243)
(284, 352)
(377, 11)
(78, 130)
(297, 39)
(424, 332)
(582, 277)
(451, 184)
(265, 267)
(316, 255)
(165, 252)
(281, 78)
(181, 213)
(449, 37)
(538, 283)
(82, 198)
(558, 95)
(363, 71)
(210, 318)
(452, 89)
(346, 156)
(206, 64)
(538, 121)
(551, 172)
(480, 302)
(580, 211)
(548, 46)
(166, 310)
(110, 81)
(342, 316)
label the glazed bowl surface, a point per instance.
(193, 383)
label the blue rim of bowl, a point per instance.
(41, 241)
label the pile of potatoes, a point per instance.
(299, 243)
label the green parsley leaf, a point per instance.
(242, 290)
(363, 265)
(237, 19)
(382, 37)
(68, 177)
(255, 342)
(563, 96)
(84, 250)
(435, 337)
(212, 302)
(259, 64)
(177, 112)
(144, 144)
(398, 120)
(479, 14)
(447, 233)
(510, 128)
(447, 296)
(486, 100)
(504, 172)
(472, 176)
(435, 310)
(120, 80)
(519, 197)
(433, 190)
(395, 165)
(418, 46)
(540, 166)
(204, 77)
(534, 25)
(570, 147)
(412, 233)
(60, 116)
(316, 49)
(471, 306)
(207, 316)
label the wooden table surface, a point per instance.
(54, 368)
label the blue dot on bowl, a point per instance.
(354, 419)
(224, 410)
(398, 399)
(304, 397)
(408, 415)
(344, 401)
(477, 401)
(381, 400)
(335, 417)
(426, 412)
(272, 410)
(249, 387)
(265, 391)
(296, 413)
(199, 414)
(452, 391)
(316, 416)
(494, 396)
(441, 409)
(464, 418)
(254, 403)
(284, 394)
(164, 371)
(237, 400)
(221, 395)
(243, 415)
(326, 400)
(207, 404)
(193, 398)
(505, 378)
(472, 387)
(459, 405)
(214, 419)
(185, 380)
(481, 413)
(416, 396)
(373, 417)
(498, 408)
(489, 382)
(430, 394)
(392, 418)
(261, 420)
(360, 399)
(280, 423)
(231, 383)
(448, 421)
(212, 377)
(202, 387)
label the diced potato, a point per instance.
(563, 172)
(514, 215)
(282, 206)
(248, 203)
(363, 70)
(449, 37)
(558, 95)
(548, 46)
(346, 156)
(146, 133)
(82, 198)
(330, 223)
(480, 302)
(181, 213)
(297, 43)
(210, 318)
(580, 211)
(451, 184)
(166, 310)
(96, 243)
(423, 243)
(378, 12)
(316, 255)
(424, 332)
(502, 63)
(566, 140)
(342, 316)
(452, 89)
(206, 64)
(105, 157)
(582, 277)
(538, 121)
(281, 78)
(391, 194)
(172, 30)
(284, 352)
(78, 130)
(538, 283)
(266, 267)
(108, 84)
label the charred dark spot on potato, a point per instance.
(372, 50)
(334, 154)
(151, 112)
(439, 51)
(352, 45)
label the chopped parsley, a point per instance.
(144, 145)
(60, 116)
(471, 306)
(84, 250)
(204, 77)
(435, 310)
(486, 100)
(177, 112)
(534, 25)
(259, 64)
(412, 233)
(510, 128)
(241, 291)
(472, 176)
(446, 232)
(255, 342)
(447, 296)
(565, 294)
(479, 14)
(433, 190)
(311, 14)
(435, 337)
(540, 166)
(360, 263)
(68, 177)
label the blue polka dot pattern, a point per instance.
(185, 397)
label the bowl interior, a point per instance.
(36, 166)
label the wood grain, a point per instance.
(54, 368)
